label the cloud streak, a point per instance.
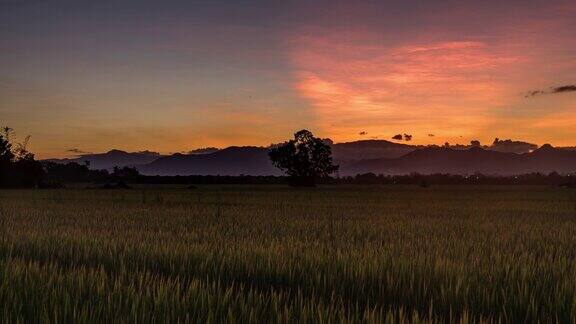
(77, 151)
(553, 90)
(566, 88)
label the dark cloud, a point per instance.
(76, 151)
(400, 137)
(430, 135)
(204, 150)
(566, 88)
(534, 93)
(362, 133)
(560, 89)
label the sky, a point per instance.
(171, 76)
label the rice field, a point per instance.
(276, 255)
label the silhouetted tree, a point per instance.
(305, 159)
(28, 171)
(475, 143)
(397, 137)
(18, 168)
(72, 172)
(6, 156)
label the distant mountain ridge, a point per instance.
(474, 160)
(112, 158)
(234, 160)
(376, 156)
(370, 149)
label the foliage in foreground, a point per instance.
(18, 168)
(268, 254)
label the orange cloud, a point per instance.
(446, 87)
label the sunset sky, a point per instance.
(172, 76)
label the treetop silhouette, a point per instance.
(305, 159)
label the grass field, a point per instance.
(273, 254)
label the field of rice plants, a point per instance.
(274, 254)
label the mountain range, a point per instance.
(377, 156)
(112, 158)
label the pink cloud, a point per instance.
(353, 83)
(459, 70)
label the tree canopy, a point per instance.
(18, 168)
(304, 159)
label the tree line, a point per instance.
(20, 169)
(306, 160)
(422, 180)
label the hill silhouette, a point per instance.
(370, 149)
(247, 160)
(113, 158)
(474, 160)
(376, 156)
